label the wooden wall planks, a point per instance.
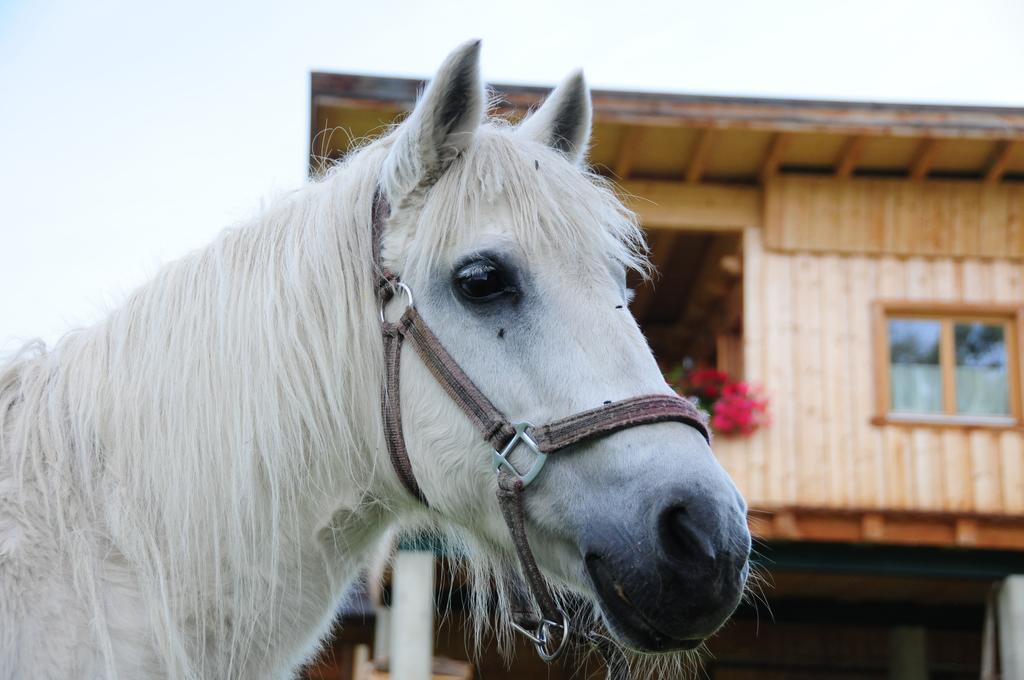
(809, 344)
(894, 216)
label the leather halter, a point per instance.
(503, 436)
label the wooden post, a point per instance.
(362, 668)
(382, 632)
(989, 642)
(412, 615)
(1011, 627)
(908, 653)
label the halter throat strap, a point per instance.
(503, 435)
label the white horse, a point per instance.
(188, 488)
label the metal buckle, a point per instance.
(500, 459)
(398, 286)
(542, 636)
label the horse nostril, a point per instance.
(682, 537)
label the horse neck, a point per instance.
(268, 341)
(230, 409)
(220, 428)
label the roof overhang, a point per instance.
(728, 139)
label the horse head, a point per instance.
(516, 255)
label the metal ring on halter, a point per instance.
(542, 636)
(398, 286)
(500, 458)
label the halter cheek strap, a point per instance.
(551, 630)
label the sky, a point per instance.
(132, 132)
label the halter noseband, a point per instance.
(503, 436)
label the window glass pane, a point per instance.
(981, 380)
(916, 376)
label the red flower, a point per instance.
(735, 407)
(741, 409)
(706, 383)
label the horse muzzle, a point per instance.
(676, 576)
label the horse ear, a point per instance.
(563, 120)
(441, 126)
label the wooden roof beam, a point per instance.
(924, 157)
(632, 108)
(772, 159)
(849, 157)
(693, 207)
(699, 159)
(999, 160)
(627, 152)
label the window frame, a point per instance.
(948, 314)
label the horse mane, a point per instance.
(179, 435)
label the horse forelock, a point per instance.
(555, 205)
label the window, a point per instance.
(943, 363)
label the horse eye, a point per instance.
(481, 282)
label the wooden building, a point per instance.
(864, 264)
